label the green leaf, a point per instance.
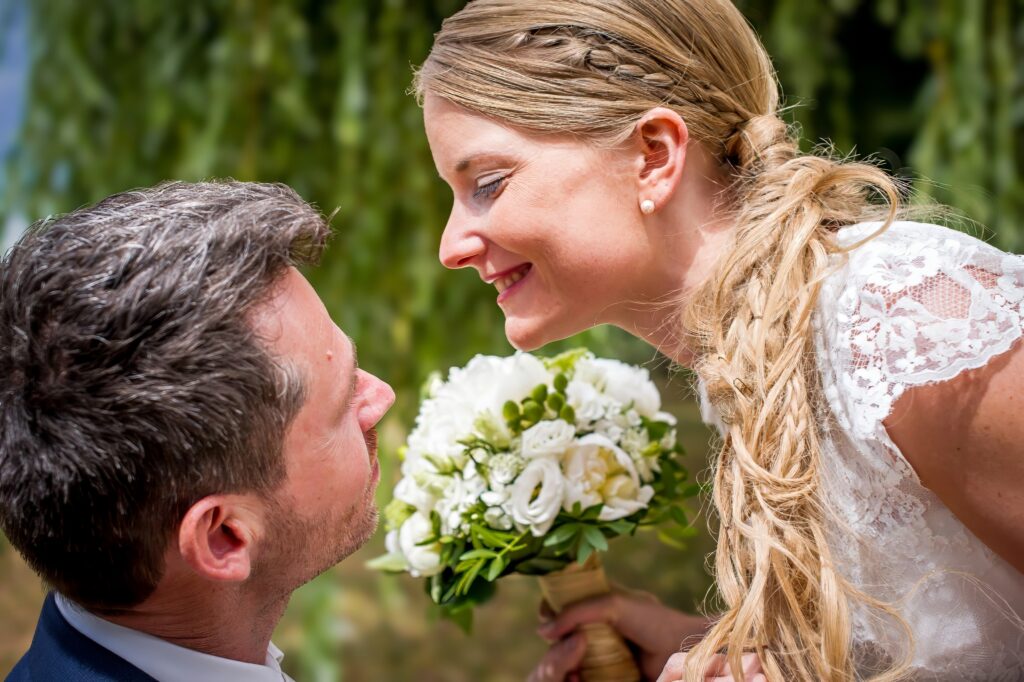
(478, 554)
(435, 588)
(562, 534)
(565, 362)
(655, 429)
(497, 566)
(596, 538)
(463, 617)
(586, 549)
(391, 563)
(621, 526)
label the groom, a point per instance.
(185, 435)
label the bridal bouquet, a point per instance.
(523, 464)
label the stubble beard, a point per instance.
(298, 550)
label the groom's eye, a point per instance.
(488, 189)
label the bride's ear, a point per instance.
(660, 138)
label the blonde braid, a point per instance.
(751, 325)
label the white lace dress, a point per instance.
(916, 305)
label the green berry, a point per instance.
(555, 402)
(510, 410)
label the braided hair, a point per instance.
(594, 68)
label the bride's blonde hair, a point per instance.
(593, 68)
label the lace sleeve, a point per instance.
(918, 304)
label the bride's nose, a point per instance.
(460, 244)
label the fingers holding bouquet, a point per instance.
(653, 631)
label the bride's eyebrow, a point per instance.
(478, 158)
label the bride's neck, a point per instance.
(696, 230)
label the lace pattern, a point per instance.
(915, 305)
(918, 304)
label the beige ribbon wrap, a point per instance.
(607, 658)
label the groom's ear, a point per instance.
(219, 535)
(660, 140)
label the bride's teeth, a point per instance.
(505, 282)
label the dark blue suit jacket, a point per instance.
(61, 653)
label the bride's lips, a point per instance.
(510, 281)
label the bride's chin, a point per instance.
(523, 335)
(529, 335)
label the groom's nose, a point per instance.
(377, 397)
(460, 244)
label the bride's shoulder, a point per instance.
(907, 246)
(886, 269)
(912, 304)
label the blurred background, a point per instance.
(101, 96)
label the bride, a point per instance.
(623, 162)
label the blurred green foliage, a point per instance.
(312, 93)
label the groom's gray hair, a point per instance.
(133, 383)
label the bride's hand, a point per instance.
(654, 630)
(717, 671)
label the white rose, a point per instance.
(597, 471)
(547, 439)
(424, 560)
(543, 477)
(623, 496)
(625, 384)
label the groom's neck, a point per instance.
(222, 620)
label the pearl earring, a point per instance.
(647, 207)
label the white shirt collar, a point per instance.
(164, 661)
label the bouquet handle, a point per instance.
(607, 658)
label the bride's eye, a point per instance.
(489, 188)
